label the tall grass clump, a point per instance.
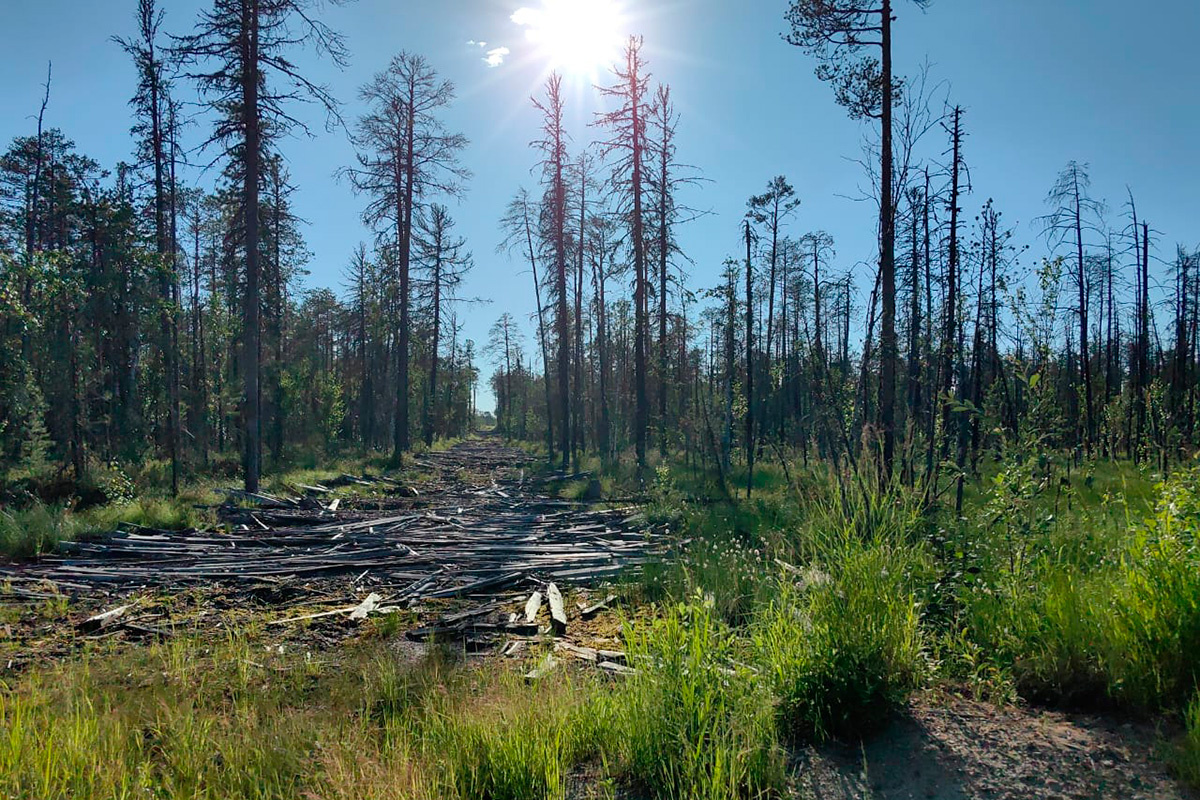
(842, 644)
(694, 722)
(234, 720)
(40, 528)
(84, 731)
(29, 532)
(1186, 759)
(498, 739)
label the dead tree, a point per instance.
(151, 104)
(627, 137)
(837, 32)
(1072, 215)
(405, 154)
(553, 147)
(241, 55)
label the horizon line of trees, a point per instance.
(142, 317)
(961, 351)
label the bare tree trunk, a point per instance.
(1085, 371)
(887, 260)
(579, 429)
(251, 336)
(637, 147)
(537, 291)
(749, 367)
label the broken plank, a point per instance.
(532, 606)
(364, 608)
(543, 669)
(104, 619)
(594, 609)
(582, 653)
(615, 668)
(558, 614)
(479, 586)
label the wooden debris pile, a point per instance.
(492, 627)
(472, 540)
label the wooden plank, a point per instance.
(582, 653)
(363, 609)
(558, 613)
(594, 609)
(104, 619)
(532, 606)
(615, 668)
(547, 665)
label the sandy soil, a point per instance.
(952, 749)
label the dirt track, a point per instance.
(947, 748)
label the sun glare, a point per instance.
(578, 36)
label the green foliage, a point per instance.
(843, 648)
(694, 722)
(1087, 613)
(520, 744)
(40, 528)
(28, 532)
(1185, 760)
(666, 504)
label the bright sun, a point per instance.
(578, 36)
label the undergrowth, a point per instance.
(811, 611)
(1185, 759)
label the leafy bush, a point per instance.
(666, 504)
(1081, 618)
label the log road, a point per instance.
(481, 525)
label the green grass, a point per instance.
(35, 527)
(236, 721)
(695, 721)
(844, 648)
(39, 528)
(29, 532)
(1185, 759)
(1095, 611)
(812, 611)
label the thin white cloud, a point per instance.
(495, 57)
(473, 43)
(526, 16)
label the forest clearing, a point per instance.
(419, 662)
(599, 399)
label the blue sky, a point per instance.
(1100, 81)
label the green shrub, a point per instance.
(1108, 617)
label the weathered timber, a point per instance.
(558, 613)
(532, 606)
(480, 528)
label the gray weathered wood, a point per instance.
(532, 606)
(558, 613)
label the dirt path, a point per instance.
(947, 748)
(477, 524)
